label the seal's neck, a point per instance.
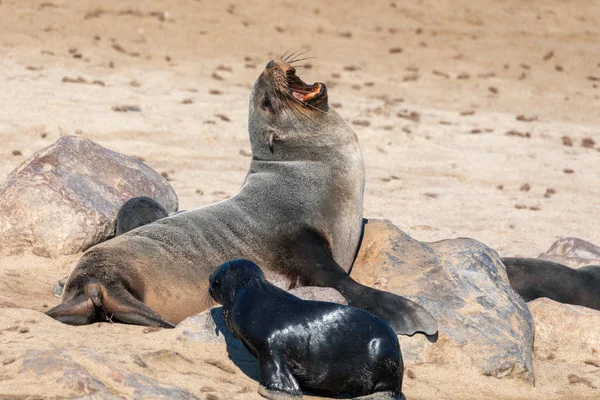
(324, 192)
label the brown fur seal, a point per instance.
(533, 278)
(298, 214)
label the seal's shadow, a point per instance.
(236, 350)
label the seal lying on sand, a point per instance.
(323, 347)
(533, 278)
(298, 214)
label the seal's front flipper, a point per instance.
(313, 262)
(276, 380)
(96, 304)
(405, 316)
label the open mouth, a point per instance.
(302, 91)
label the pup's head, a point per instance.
(232, 276)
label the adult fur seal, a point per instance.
(533, 278)
(298, 214)
(325, 348)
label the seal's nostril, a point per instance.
(271, 64)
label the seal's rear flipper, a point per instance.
(77, 311)
(97, 304)
(313, 262)
(126, 308)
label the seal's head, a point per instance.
(288, 114)
(232, 276)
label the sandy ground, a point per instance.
(477, 118)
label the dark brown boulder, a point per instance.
(484, 324)
(64, 198)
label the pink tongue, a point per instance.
(299, 96)
(314, 91)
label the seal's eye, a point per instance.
(267, 102)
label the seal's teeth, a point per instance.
(314, 91)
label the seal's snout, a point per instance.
(283, 74)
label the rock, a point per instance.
(209, 327)
(572, 252)
(58, 287)
(206, 327)
(64, 198)
(319, 294)
(463, 284)
(78, 372)
(568, 334)
(42, 358)
(565, 331)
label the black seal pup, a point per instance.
(298, 214)
(533, 278)
(325, 348)
(136, 212)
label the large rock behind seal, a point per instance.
(483, 323)
(65, 198)
(572, 252)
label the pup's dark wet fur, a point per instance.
(325, 348)
(136, 212)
